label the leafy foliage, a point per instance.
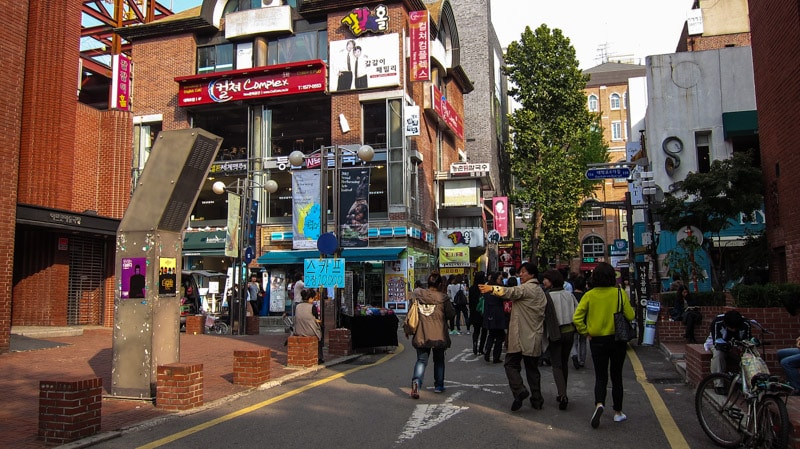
(555, 137)
(680, 261)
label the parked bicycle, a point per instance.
(215, 324)
(747, 408)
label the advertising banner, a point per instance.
(121, 82)
(364, 63)
(277, 292)
(509, 254)
(447, 113)
(419, 35)
(454, 256)
(306, 209)
(500, 208)
(232, 234)
(396, 280)
(354, 207)
(166, 276)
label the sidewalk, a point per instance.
(39, 354)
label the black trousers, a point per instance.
(513, 365)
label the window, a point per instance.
(383, 130)
(625, 100)
(703, 143)
(593, 103)
(614, 101)
(593, 246)
(144, 135)
(616, 130)
(215, 58)
(241, 5)
(592, 211)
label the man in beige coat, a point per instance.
(525, 333)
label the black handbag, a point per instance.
(623, 331)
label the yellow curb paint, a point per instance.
(668, 425)
(254, 407)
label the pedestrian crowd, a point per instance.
(548, 321)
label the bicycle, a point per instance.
(214, 324)
(749, 414)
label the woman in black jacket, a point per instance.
(479, 333)
(494, 320)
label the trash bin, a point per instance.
(652, 310)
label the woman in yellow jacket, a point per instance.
(594, 317)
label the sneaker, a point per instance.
(453, 332)
(620, 417)
(438, 390)
(414, 389)
(598, 412)
(467, 332)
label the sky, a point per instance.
(637, 28)
(626, 27)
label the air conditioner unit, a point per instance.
(268, 3)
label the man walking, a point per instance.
(525, 333)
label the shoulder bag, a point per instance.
(412, 319)
(623, 331)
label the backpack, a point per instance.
(460, 299)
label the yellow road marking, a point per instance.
(254, 407)
(668, 425)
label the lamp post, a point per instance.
(243, 193)
(365, 153)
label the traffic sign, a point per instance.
(606, 173)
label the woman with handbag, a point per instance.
(431, 333)
(594, 317)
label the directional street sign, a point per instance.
(606, 173)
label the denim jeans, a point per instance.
(422, 362)
(789, 359)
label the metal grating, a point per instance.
(183, 195)
(85, 302)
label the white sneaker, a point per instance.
(619, 418)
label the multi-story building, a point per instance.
(603, 229)
(324, 79)
(775, 27)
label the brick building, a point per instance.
(775, 31)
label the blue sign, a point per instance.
(608, 173)
(323, 273)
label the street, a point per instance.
(365, 402)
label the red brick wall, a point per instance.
(179, 386)
(700, 43)
(69, 410)
(251, 368)
(12, 58)
(775, 30)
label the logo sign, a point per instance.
(419, 37)
(244, 84)
(362, 20)
(608, 173)
(324, 273)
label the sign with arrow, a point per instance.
(608, 173)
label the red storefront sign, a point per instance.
(419, 35)
(447, 113)
(245, 84)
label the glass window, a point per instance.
(144, 135)
(215, 58)
(593, 246)
(614, 101)
(593, 103)
(703, 143)
(592, 211)
(616, 130)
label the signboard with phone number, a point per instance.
(324, 273)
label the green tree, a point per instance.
(555, 137)
(712, 201)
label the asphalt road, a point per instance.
(365, 403)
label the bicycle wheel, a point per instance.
(773, 423)
(720, 415)
(221, 328)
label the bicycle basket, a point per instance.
(753, 365)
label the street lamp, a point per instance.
(365, 153)
(243, 194)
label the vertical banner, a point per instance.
(412, 120)
(234, 217)
(500, 208)
(509, 254)
(252, 221)
(166, 276)
(133, 280)
(354, 207)
(277, 292)
(420, 57)
(306, 209)
(121, 83)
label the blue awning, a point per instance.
(281, 257)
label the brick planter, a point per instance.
(69, 410)
(194, 324)
(179, 386)
(340, 342)
(302, 352)
(251, 368)
(251, 325)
